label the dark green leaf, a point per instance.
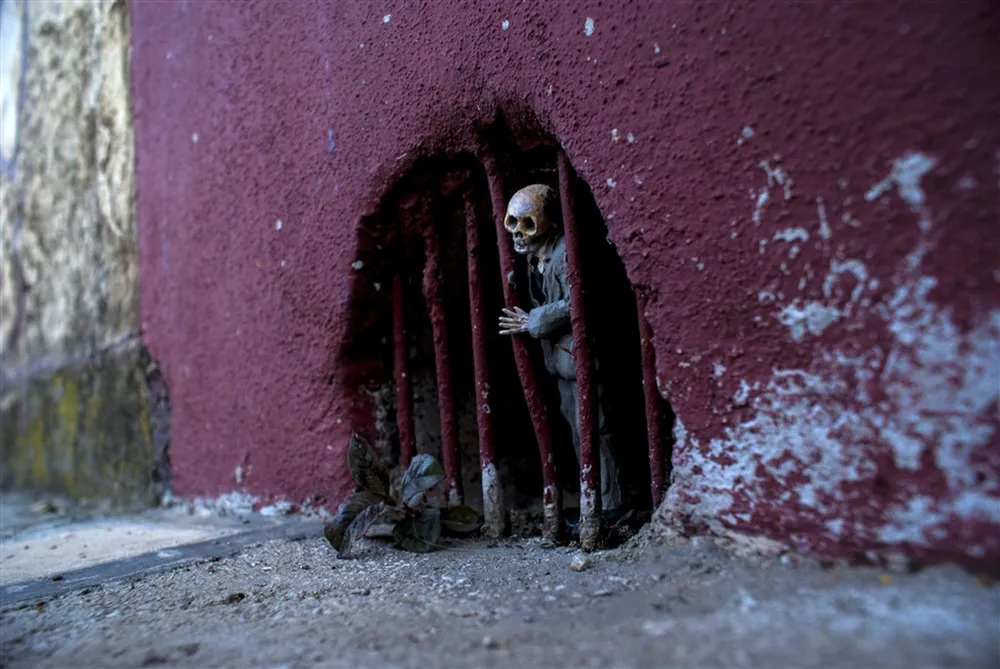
(419, 534)
(367, 469)
(391, 515)
(423, 474)
(336, 528)
(362, 523)
(460, 520)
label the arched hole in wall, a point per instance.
(430, 200)
(417, 245)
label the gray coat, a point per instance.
(549, 320)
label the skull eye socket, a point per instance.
(510, 223)
(529, 225)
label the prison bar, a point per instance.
(493, 510)
(404, 395)
(551, 497)
(590, 461)
(652, 396)
(433, 286)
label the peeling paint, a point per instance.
(937, 388)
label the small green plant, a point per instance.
(417, 515)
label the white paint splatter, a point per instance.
(278, 224)
(920, 520)
(762, 199)
(656, 48)
(824, 225)
(612, 183)
(853, 267)
(906, 175)
(588, 27)
(811, 317)
(357, 265)
(614, 134)
(386, 18)
(630, 138)
(791, 235)
(718, 369)
(505, 25)
(742, 395)
(776, 176)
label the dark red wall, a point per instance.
(829, 344)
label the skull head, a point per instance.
(532, 216)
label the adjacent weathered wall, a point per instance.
(807, 193)
(74, 409)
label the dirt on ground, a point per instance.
(685, 603)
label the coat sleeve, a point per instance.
(543, 321)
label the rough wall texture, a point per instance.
(74, 410)
(807, 195)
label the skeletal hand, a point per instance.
(514, 321)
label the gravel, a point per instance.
(514, 603)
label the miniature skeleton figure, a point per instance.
(533, 221)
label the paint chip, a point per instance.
(505, 25)
(656, 48)
(357, 265)
(588, 27)
(611, 182)
(614, 134)
(385, 19)
(278, 224)
(630, 138)
(747, 132)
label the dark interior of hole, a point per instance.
(432, 195)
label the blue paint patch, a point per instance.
(331, 145)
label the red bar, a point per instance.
(590, 461)
(404, 396)
(551, 497)
(652, 395)
(493, 510)
(446, 399)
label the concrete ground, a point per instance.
(683, 603)
(45, 536)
